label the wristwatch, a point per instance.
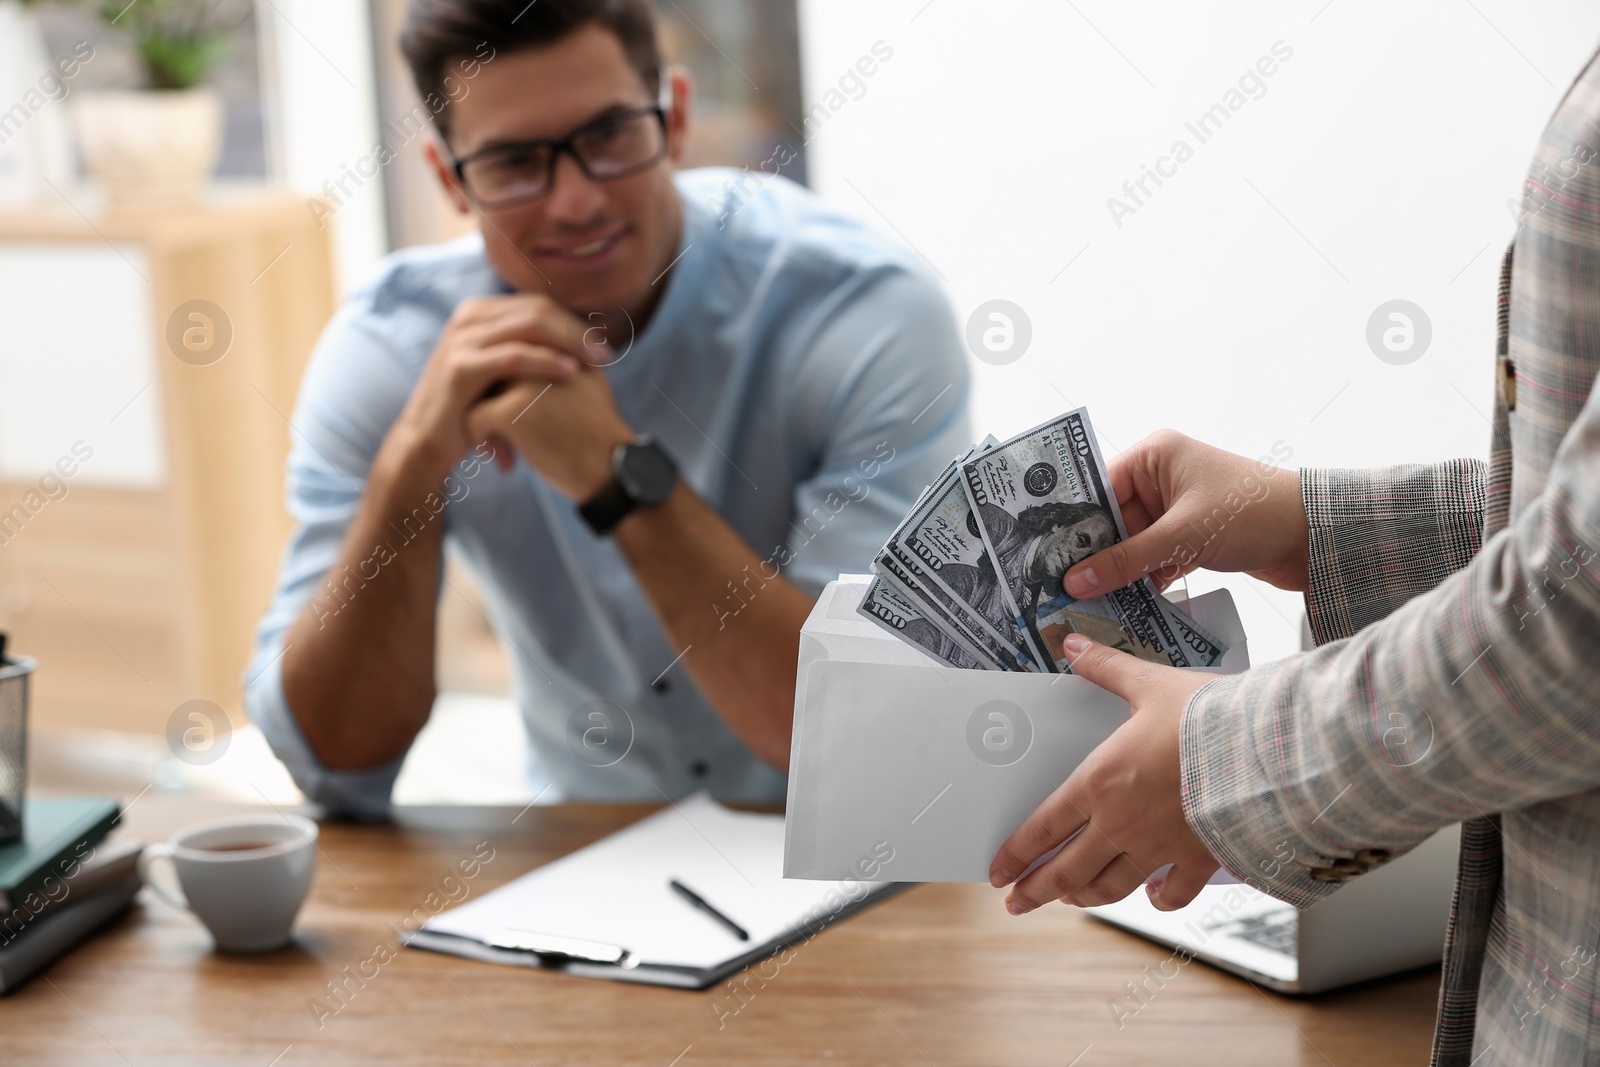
(642, 476)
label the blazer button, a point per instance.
(1343, 870)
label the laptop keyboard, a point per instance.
(1275, 930)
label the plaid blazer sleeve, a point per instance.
(1476, 696)
(1380, 537)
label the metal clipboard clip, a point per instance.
(556, 951)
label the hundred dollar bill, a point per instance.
(1042, 502)
(913, 573)
(942, 536)
(885, 606)
(938, 604)
(911, 587)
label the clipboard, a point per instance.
(609, 910)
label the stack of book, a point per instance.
(61, 882)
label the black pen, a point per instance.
(700, 902)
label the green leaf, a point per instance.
(175, 39)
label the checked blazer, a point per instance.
(1457, 679)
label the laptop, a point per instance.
(1383, 923)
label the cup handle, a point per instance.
(172, 897)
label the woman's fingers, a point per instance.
(1162, 549)
(1052, 822)
(1134, 485)
(1119, 878)
(1078, 863)
(1182, 884)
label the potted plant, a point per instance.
(155, 146)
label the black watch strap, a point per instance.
(607, 507)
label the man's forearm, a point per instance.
(686, 557)
(358, 662)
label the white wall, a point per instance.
(1234, 304)
(318, 65)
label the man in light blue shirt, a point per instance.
(652, 412)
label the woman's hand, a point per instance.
(1126, 800)
(1189, 505)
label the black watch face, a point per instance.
(647, 473)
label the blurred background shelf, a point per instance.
(138, 579)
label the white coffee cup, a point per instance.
(243, 877)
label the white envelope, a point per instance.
(896, 754)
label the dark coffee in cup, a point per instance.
(244, 877)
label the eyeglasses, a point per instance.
(613, 146)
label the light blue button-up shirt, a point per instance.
(808, 377)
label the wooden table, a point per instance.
(937, 975)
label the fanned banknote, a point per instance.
(917, 578)
(943, 537)
(892, 570)
(885, 606)
(1042, 502)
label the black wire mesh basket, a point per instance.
(14, 672)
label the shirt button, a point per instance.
(662, 686)
(699, 769)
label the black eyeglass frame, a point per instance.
(561, 147)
